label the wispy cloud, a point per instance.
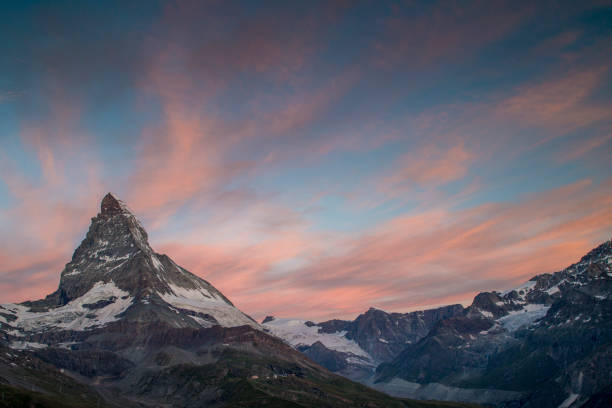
(432, 166)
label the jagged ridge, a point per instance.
(545, 343)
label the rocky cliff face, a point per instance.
(355, 348)
(384, 334)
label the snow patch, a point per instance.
(193, 294)
(297, 333)
(203, 301)
(23, 345)
(600, 297)
(119, 265)
(526, 316)
(156, 263)
(74, 272)
(107, 258)
(73, 315)
(486, 314)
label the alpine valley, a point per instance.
(547, 343)
(128, 327)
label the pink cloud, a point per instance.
(431, 165)
(47, 209)
(195, 151)
(431, 257)
(560, 103)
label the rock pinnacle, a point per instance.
(111, 205)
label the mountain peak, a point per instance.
(111, 205)
(115, 271)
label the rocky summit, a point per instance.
(114, 274)
(129, 327)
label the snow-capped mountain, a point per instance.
(128, 327)
(114, 274)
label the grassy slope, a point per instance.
(278, 384)
(29, 382)
(26, 381)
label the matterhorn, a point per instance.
(129, 327)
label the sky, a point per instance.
(310, 159)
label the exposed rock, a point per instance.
(373, 337)
(330, 359)
(384, 335)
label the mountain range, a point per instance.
(128, 327)
(546, 343)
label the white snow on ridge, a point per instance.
(553, 290)
(156, 263)
(72, 316)
(519, 318)
(296, 333)
(74, 272)
(22, 345)
(202, 301)
(194, 294)
(107, 258)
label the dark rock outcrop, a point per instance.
(384, 335)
